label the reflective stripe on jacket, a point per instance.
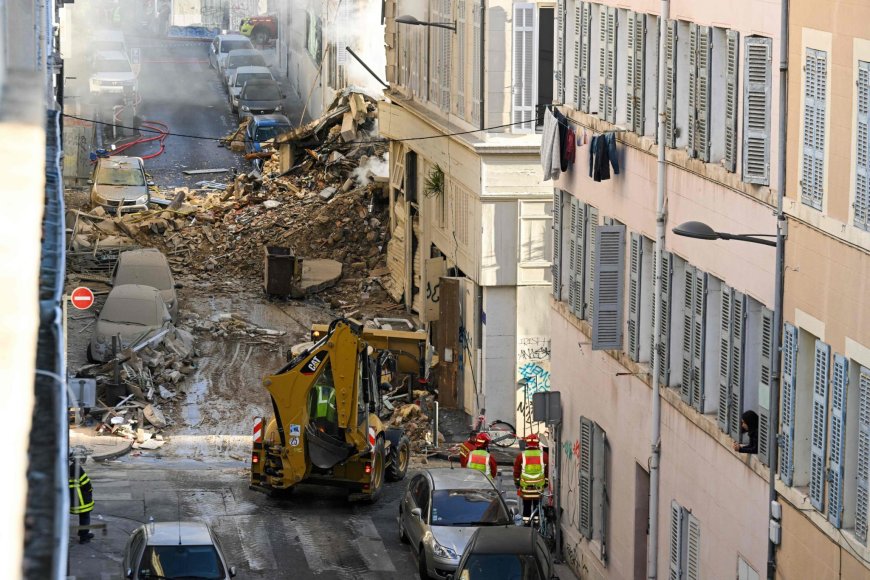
(532, 478)
(479, 460)
(81, 493)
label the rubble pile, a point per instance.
(226, 325)
(415, 421)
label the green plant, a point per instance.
(434, 182)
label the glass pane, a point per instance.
(458, 507)
(180, 562)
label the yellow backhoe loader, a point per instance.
(326, 429)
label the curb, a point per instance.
(124, 450)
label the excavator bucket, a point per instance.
(325, 451)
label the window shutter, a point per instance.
(699, 326)
(839, 385)
(578, 287)
(756, 107)
(693, 548)
(764, 387)
(600, 497)
(476, 80)
(585, 484)
(578, 71)
(585, 55)
(820, 424)
(665, 335)
(572, 253)
(702, 93)
(556, 268)
(731, 95)
(671, 84)
(725, 322)
(636, 73)
(862, 149)
(813, 158)
(738, 328)
(414, 63)
(789, 392)
(688, 310)
(424, 63)
(460, 58)
(590, 274)
(446, 64)
(559, 93)
(675, 551)
(609, 285)
(523, 66)
(691, 133)
(635, 287)
(434, 46)
(862, 496)
(607, 64)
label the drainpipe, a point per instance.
(655, 435)
(482, 60)
(781, 232)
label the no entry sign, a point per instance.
(82, 298)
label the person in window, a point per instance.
(748, 425)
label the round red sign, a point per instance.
(82, 298)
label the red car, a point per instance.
(261, 29)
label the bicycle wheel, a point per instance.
(502, 433)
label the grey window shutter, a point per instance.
(819, 424)
(813, 158)
(572, 252)
(738, 336)
(461, 62)
(476, 79)
(600, 497)
(585, 55)
(693, 548)
(559, 73)
(725, 322)
(585, 483)
(691, 133)
(677, 535)
(576, 292)
(837, 437)
(756, 110)
(862, 495)
(671, 84)
(702, 93)
(789, 392)
(688, 310)
(590, 274)
(603, 17)
(732, 68)
(578, 73)
(556, 268)
(667, 273)
(862, 149)
(635, 71)
(764, 386)
(635, 288)
(607, 64)
(699, 326)
(609, 288)
(523, 66)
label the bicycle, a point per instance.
(543, 519)
(500, 432)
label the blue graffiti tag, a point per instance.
(537, 379)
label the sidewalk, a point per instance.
(565, 573)
(99, 447)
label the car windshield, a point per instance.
(258, 92)
(246, 60)
(181, 562)
(503, 566)
(229, 45)
(154, 276)
(468, 507)
(266, 133)
(119, 174)
(245, 77)
(112, 65)
(130, 311)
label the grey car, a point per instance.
(222, 45)
(260, 97)
(241, 57)
(133, 313)
(120, 182)
(440, 511)
(238, 79)
(175, 550)
(147, 267)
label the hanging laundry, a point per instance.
(550, 150)
(563, 139)
(570, 147)
(602, 156)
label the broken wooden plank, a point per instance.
(348, 127)
(203, 171)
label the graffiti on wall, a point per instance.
(533, 376)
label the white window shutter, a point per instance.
(635, 288)
(580, 243)
(813, 158)
(732, 68)
(677, 539)
(609, 288)
(756, 110)
(862, 149)
(862, 495)
(476, 80)
(671, 84)
(725, 323)
(602, 62)
(585, 482)
(738, 339)
(556, 268)
(610, 103)
(693, 548)
(764, 386)
(446, 64)
(688, 310)
(702, 93)
(578, 72)
(589, 271)
(837, 438)
(787, 412)
(667, 273)
(819, 424)
(460, 58)
(699, 327)
(523, 67)
(434, 46)
(572, 253)
(585, 55)
(559, 73)
(691, 133)
(636, 71)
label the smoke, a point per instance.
(358, 25)
(374, 166)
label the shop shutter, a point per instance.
(609, 288)
(837, 437)
(635, 289)
(556, 268)
(862, 496)
(732, 67)
(789, 392)
(819, 424)
(523, 67)
(862, 149)
(764, 387)
(756, 110)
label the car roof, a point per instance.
(111, 55)
(243, 52)
(120, 160)
(448, 478)
(250, 69)
(503, 540)
(268, 120)
(177, 533)
(223, 37)
(143, 257)
(135, 291)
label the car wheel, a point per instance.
(421, 563)
(399, 459)
(260, 36)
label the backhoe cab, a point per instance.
(326, 428)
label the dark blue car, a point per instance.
(261, 129)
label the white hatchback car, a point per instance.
(175, 550)
(112, 75)
(148, 267)
(133, 313)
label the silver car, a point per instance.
(150, 268)
(175, 550)
(112, 75)
(133, 313)
(120, 182)
(242, 75)
(440, 511)
(241, 57)
(260, 97)
(222, 45)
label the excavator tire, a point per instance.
(400, 457)
(378, 470)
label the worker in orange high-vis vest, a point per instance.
(81, 498)
(481, 459)
(531, 472)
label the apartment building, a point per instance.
(825, 431)
(717, 297)
(470, 213)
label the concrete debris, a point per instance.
(149, 444)
(271, 203)
(415, 421)
(155, 416)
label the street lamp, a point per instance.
(414, 22)
(702, 231)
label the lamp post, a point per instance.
(702, 231)
(414, 22)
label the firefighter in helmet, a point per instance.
(531, 472)
(480, 458)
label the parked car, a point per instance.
(222, 45)
(133, 312)
(107, 40)
(147, 267)
(260, 97)
(262, 128)
(120, 182)
(241, 57)
(440, 511)
(512, 552)
(112, 75)
(261, 29)
(175, 550)
(238, 79)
